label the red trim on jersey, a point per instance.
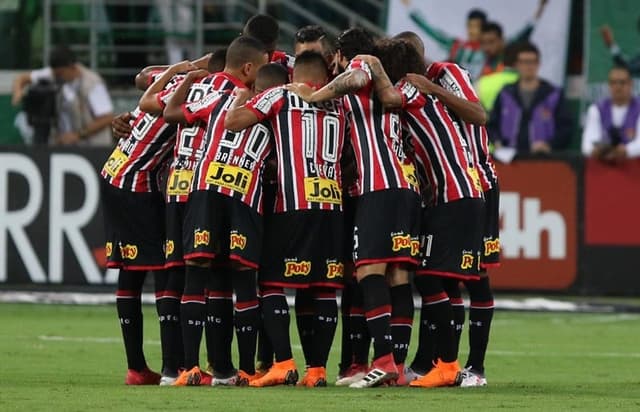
(120, 293)
(442, 296)
(245, 262)
(216, 294)
(397, 321)
(167, 294)
(195, 255)
(269, 292)
(356, 311)
(401, 259)
(427, 272)
(193, 298)
(456, 301)
(116, 265)
(325, 295)
(379, 311)
(247, 305)
(482, 305)
(327, 285)
(174, 264)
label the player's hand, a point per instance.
(183, 67)
(540, 147)
(197, 74)
(303, 90)
(367, 58)
(607, 35)
(68, 138)
(120, 125)
(202, 62)
(422, 83)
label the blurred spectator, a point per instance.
(489, 86)
(618, 57)
(177, 18)
(531, 115)
(83, 108)
(612, 128)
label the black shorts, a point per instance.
(174, 221)
(387, 228)
(221, 228)
(490, 256)
(452, 239)
(303, 249)
(134, 228)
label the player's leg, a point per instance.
(480, 316)
(452, 289)
(304, 306)
(346, 349)
(402, 311)
(169, 284)
(246, 321)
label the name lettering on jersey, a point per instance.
(115, 162)
(467, 261)
(242, 161)
(237, 241)
(335, 270)
(296, 102)
(491, 247)
(321, 190)
(400, 242)
(169, 248)
(324, 169)
(267, 100)
(128, 251)
(409, 172)
(179, 182)
(108, 249)
(201, 237)
(206, 101)
(295, 268)
(230, 177)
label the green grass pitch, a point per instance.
(70, 358)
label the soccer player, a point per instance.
(134, 212)
(266, 29)
(221, 220)
(452, 224)
(303, 237)
(386, 242)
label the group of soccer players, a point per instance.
(346, 167)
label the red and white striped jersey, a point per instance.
(309, 139)
(284, 59)
(442, 155)
(376, 139)
(234, 162)
(191, 138)
(456, 80)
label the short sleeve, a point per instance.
(411, 96)
(267, 103)
(100, 101)
(201, 109)
(45, 73)
(357, 64)
(457, 81)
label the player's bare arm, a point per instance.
(143, 79)
(239, 117)
(173, 112)
(347, 82)
(469, 111)
(149, 101)
(121, 125)
(387, 94)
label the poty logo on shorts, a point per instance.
(467, 261)
(169, 248)
(491, 247)
(108, 249)
(405, 242)
(201, 237)
(295, 268)
(237, 241)
(335, 270)
(129, 251)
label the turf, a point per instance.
(70, 358)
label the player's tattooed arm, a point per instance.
(149, 101)
(347, 82)
(173, 111)
(387, 94)
(469, 111)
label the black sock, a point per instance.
(304, 305)
(360, 339)
(480, 316)
(246, 318)
(346, 351)
(276, 318)
(265, 348)
(220, 322)
(401, 320)
(325, 321)
(452, 289)
(193, 313)
(169, 286)
(438, 310)
(129, 309)
(377, 308)
(423, 360)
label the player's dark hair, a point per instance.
(398, 58)
(412, 38)
(492, 27)
(354, 41)
(309, 34)
(244, 49)
(217, 60)
(62, 56)
(264, 28)
(527, 47)
(477, 14)
(328, 44)
(272, 74)
(311, 60)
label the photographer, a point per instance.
(83, 107)
(612, 126)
